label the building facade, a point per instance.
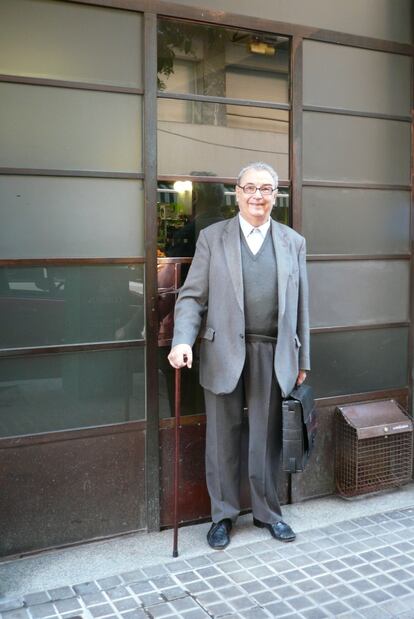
(123, 124)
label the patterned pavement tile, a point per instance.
(307, 586)
(196, 587)
(102, 610)
(264, 597)
(135, 614)
(301, 602)
(321, 597)
(376, 612)
(108, 583)
(280, 609)
(68, 606)
(253, 586)
(173, 593)
(314, 613)
(43, 610)
(61, 593)
(91, 599)
(36, 598)
(86, 587)
(357, 569)
(242, 603)
(18, 613)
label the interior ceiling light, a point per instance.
(259, 47)
(182, 186)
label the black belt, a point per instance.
(252, 337)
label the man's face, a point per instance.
(256, 208)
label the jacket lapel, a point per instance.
(281, 245)
(232, 252)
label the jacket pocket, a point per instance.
(208, 334)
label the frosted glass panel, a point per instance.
(220, 139)
(358, 292)
(345, 148)
(356, 79)
(46, 306)
(381, 19)
(58, 128)
(356, 221)
(72, 390)
(45, 217)
(67, 41)
(358, 361)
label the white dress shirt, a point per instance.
(254, 235)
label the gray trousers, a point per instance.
(259, 391)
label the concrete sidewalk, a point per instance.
(351, 559)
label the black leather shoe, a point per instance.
(280, 530)
(219, 535)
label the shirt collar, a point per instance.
(247, 227)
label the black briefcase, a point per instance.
(299, 428)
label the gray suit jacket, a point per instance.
(211, 302)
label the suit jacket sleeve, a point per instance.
(303, 310)
(192, 300)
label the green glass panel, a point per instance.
(358, 361)
(73, 390)
(45, 306)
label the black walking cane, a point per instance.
(177, 406)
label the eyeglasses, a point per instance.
(265, 190)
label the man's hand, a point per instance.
(301, 377)
(181, 356)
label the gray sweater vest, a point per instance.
(260, 288)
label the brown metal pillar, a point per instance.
(296, 121)
(150, 171)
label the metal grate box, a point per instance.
(374, 447)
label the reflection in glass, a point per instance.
(71, 390)
(192, 397)
(171, 275)
(220, 138)
(185, 209)
(44, 306)
(222, 62)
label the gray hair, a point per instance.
(258, 165)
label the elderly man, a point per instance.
(247, 295)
